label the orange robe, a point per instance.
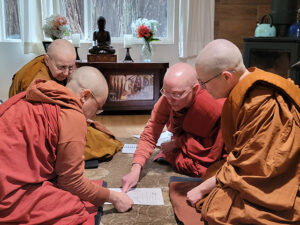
(259, 182)
(41, 158)
(197, 129)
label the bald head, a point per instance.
(89, 78)
(219, 55)
(60, 59)
(61, 47)
(180, 76)
(219, 67)
(179, 85)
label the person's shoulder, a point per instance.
(73, 125)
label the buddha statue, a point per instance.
(101, 39)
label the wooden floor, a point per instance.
(124, 126)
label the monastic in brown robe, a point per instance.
(259, 182)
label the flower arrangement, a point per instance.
(145, 29)
(56, 27)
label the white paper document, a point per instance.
(164, 137)
(144, 196)
(129, 148)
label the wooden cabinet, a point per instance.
(273, 54)
(132, 86)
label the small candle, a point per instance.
(127, 40)
(76, 40)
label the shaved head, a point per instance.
(180, 76)
(60, 59)
(219, 67)
(87, 77)
(180, 85)
(61, 47)
(90, 86)
(219, 55)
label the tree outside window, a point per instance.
(119, 15)
(12, 27)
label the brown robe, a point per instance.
(35, 69)
(259, 182)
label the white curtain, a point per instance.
(32, 14)
(196, 26)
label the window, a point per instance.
(10, 27)
(119, 14)
(82, 16)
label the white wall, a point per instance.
(12, 57)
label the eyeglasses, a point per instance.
(203, 84)
(176, 95)
(63, 68)
(99, 111)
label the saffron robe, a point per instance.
(35, 69)
(259, 182)
(197, 130)
(100, 142)
(41, 158)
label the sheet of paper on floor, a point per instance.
(144, 196)
(129, 148)
(164, 137)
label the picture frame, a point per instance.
(132, 86)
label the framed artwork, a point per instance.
(132, 86)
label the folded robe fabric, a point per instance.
(178, 188)
(100, 143)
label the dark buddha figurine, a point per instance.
(101, 39)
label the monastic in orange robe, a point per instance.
(259, 183)
(197, 129)
(41, 158)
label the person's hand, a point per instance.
(131, 179)
(197, 193)
(120, 200)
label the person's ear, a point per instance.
(84, 95)
(46, 59)
(227, 75)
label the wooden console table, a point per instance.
(132, 86)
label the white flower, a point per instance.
(56, 27)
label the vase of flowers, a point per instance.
(56, 27)
(146, 29)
